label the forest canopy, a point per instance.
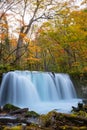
(43, 35)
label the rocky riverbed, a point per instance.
(13, 118)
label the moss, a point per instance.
(31, 127)
(73, 128)
(9, 107)
(80, 113)
(47, 120)
(13, 128)
(32, 114)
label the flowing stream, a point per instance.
(39, 91)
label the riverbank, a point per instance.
(13, 118)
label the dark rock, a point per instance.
(78, 108)
(19, 111)
(85, 101)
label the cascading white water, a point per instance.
(40, 91)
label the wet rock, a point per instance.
(78, 108)
(19, 111)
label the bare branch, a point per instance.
(13, 51)
(6, 6)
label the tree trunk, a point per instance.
(19, 50)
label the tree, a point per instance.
(5, 46)
(33, 10)
(67, 41)
(26, 14)
(6, 6)
(41, 9)
(4, 40)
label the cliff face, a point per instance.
(80, 83)
(0, 77)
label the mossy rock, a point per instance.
(13, 128)
(9, 107)
(31, 127)
(73, 128)
(32, 114)
(47, 119)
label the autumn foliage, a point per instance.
(59, 43)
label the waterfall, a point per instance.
(39, 91)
